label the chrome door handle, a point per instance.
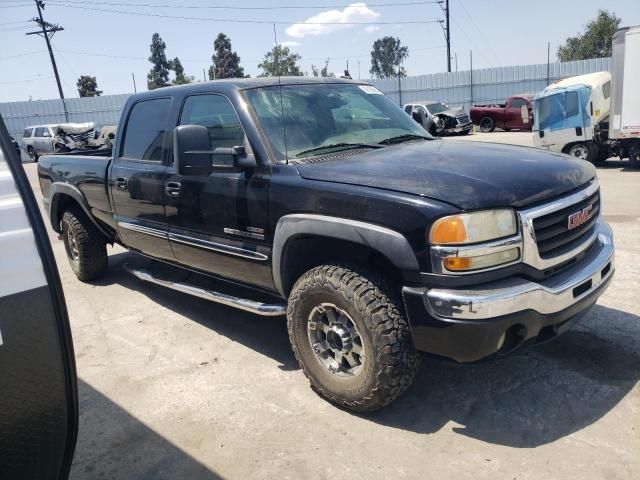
(121, 183)
(172, 189)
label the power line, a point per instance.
(235, 20)
(34, 79)
(235, 7)
(480, 32)
(21, 55)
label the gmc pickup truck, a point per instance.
(321, 200)
(507, 116)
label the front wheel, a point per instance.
(85, 246)
(487, 125)
(584, 151)
(350, 338)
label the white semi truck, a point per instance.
(595, 116)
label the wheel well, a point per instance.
(302, 253)
(61, 204)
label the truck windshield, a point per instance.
(308, 120)
(562, 109)
(435, 108)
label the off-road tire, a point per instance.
(91, 261)
(487, 124)
(391, 362)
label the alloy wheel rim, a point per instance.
(335, 340)
(74, 251)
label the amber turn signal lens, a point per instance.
(457, 263)
(449, 230)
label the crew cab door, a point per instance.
(137, 175)
(513, 114)
(218, 222)
(43, 141)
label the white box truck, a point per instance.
(595, 116)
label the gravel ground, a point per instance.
(175, 387)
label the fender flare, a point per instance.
(390, 243)
(56, 191)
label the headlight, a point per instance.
(475, 241)
(473, 227)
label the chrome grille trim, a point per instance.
(530, 254)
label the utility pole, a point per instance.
(133, 77)
(548, 61)
(204, 76)
(448, 38)
(446, 29)
(47, 31)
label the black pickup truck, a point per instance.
(321, 200)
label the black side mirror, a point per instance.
(191, 150)
(193, 154)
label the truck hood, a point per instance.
(469, 175)
(452, 112)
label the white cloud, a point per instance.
(290, 43)
(332, 20)
(371, 28)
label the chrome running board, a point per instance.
(259, 308)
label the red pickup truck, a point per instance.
(506, 115)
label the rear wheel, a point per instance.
(634, 154)
(487, 125)
(85, 246)
(33, 156)
(350, 338)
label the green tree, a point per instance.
(159, 75)
(88, 86)
(226, 62)
(177, 68)
(280, 62)
(386, 56)
(322, 72)
(595, 42)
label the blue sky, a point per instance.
(499, 32)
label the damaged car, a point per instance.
(438, 118)
(56, 138)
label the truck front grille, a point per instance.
(552, 232)
(462, 119)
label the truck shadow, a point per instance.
(267, 335)
(533, 397)
(114, 444)
(528, 399)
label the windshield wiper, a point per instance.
(403, 138)
(339, 147)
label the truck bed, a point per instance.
(87, 173)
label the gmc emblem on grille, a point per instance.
(579, 218)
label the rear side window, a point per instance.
(144, 136)
(408, 109)
(518, 102)
(27, 132)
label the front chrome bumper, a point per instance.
(515, 294)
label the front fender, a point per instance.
(393, 245)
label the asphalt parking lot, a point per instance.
(174, 387)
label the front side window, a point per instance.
(217, 114)
(606, 89)
(302, 120)
(40, 132)
(144, 135)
